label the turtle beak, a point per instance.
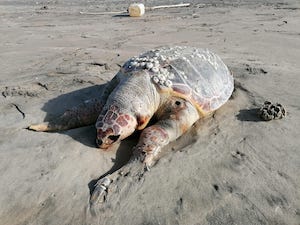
(106, 142)
(99, 143)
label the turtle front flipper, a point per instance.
(116, 182)
(83, 115)
(175, 118)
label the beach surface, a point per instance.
(231, 168)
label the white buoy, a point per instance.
(136, 9)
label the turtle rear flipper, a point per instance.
(39, 127)
(83, 115)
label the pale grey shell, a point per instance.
(197, 74)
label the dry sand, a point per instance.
(231, 168)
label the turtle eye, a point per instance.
(113, 138)
(178, 103)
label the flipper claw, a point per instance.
(38, 127)
(100, 192)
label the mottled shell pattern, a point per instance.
(197, 75)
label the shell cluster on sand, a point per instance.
(271, 111)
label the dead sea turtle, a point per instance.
(176, 85)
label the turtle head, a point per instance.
(113, 126)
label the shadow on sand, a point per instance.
(249, 115)
(86, 135)
(58, 105)
(123, 154)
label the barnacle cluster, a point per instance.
(163, 64)
(271, 111)
(152, 62)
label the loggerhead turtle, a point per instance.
(176, 85)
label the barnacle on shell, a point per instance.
(149, 65)
(155, 79)
(168, 83)
(161, 77)
(133, 63)
(154, 69)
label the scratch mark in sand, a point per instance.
(18, 108)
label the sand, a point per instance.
(231, 168)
